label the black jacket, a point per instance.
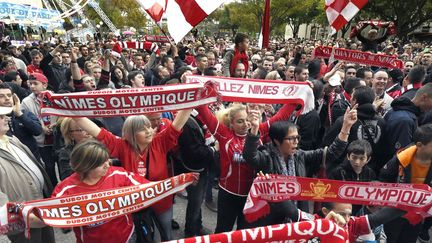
(401, 122)
(410, 93)
(369, 127)
(55, 73)
(195, 154)
(345, 172)
(25, 128)
(339, 107)
(18, 90)
(65, 169)
(265, 158)
(309, 128)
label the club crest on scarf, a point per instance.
(319, 190)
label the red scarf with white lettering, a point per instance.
(415, 198)
(366, 58)
(321, 230)
(239, 57)
(124, 102)
(390, 26)
(261, 91)
(58, 212)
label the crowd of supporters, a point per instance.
(369, 123)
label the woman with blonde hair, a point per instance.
(236, 176)
(72, 135)
(93, 172)
(144, 152)
(273, 75)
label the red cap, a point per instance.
(39, 77)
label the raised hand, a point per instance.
(350, 117)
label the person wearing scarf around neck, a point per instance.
(239, 54)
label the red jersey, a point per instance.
(236, 176)
(121, 228)
(33, 69)
(131, 161)
(356, 226)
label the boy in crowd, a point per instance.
(354, 167)
(39, 83)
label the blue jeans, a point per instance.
(195, 195)
(165, 222)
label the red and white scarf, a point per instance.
(239, 57)
(366, 58)
(124, 102)
(390, 26)
(415, 198)
(261, 91)
(321, 230)
(92, 207)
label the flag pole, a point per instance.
(164, 33)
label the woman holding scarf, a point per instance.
(143, 152)
(91, 163)
(236, 176)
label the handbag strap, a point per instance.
(148, 164)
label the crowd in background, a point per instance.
(369, 123)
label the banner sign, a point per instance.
(321, 230)
(366, 58)
(124, 102)
(91, 208)
(19, 13)
(275, 188)
(261, 91)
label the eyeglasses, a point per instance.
(76, 130)
(292, 138)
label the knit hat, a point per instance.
(116, 50)
(39, 77)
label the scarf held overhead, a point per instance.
(276, 188)
(91, 208)
(124, 102)
(366, 58)
(390, 26)
(320, 230)
(261, 91)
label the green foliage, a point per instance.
(247, 16)
(121, 12)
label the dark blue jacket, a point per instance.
(24, 128)
(401, 122)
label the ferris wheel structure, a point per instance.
(71, 7)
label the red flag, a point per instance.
(265, 30)
(183, 15)
(340, 12)
(155, 8)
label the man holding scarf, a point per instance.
(239, 54)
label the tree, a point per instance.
(121, 12)
(407, 15)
